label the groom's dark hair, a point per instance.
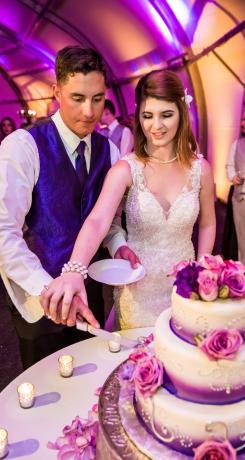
(75, 59)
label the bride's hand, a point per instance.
(65, 299)
(124, 252)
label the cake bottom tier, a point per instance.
(183, 425)
(124, 435)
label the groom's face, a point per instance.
(81, 98)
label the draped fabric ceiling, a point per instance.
(202, 40)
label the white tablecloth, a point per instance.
(58, 399)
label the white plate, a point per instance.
(115, 272)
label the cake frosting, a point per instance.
(194, 375)
(189, 393)
(183, 425)
(190, 318)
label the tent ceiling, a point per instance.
(31, 32)
(134, 37)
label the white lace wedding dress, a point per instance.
(160, 239)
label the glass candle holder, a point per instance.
(26, 392)
(66, 365)
(3, 442)
(115, 344)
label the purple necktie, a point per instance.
(80, 163)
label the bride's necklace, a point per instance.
(163, 162)
(157, 160)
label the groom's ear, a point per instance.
(56, 91)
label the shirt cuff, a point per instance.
(115, 243)
(35, 283)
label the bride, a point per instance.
(168, 186)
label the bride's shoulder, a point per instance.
(132, 160)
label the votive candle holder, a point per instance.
(66, 365)
(3, 442)
(115, 343)
(26, 393)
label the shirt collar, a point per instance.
(113, 125)
(68, 137)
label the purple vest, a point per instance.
(116, 135)
(60, 204)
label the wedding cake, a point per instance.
(185, 393)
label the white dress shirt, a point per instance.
(21, 270)
(230, 166)
(127, 140)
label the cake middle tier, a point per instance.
(194, 375)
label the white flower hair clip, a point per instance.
(187, 98)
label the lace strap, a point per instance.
(196, 170)
(136, 171)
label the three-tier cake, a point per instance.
(185, 395)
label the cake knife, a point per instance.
(106, 335)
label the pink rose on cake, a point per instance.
(215, 450)
(213, 263)
(148, 375)
(233, 277)
(208, 285)
(222, 343)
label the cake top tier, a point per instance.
(208, 295)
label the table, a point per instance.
(58, 399)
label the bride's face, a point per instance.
(159, 120)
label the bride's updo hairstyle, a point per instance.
(165, 85)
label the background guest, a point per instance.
(118, 133)
(7, 126)
(236, 174)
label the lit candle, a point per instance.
(26, 394)
(66, 365)
(3, 442)
(115, 343)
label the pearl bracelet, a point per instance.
(75, 267)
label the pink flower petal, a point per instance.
(97, 391)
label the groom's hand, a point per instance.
(124, 252)
(79, 310)
(67, 306)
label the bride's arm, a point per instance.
(207, 220)
(88, 241)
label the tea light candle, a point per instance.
(3, 442)
(115, 344)
(66, 365)
(26, 394)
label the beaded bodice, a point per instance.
(160, 239)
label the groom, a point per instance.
(50, 179)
